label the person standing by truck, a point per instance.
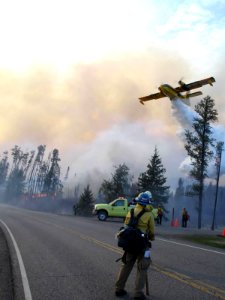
(160, 215)
(185, 217)
(146, 226)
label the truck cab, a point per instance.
(117, 208)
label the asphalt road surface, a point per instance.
(73, 258)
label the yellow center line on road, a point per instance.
(204, 287)
(100, 243)
(199, 285)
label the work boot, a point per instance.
(120, 293)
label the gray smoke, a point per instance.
(185, 115)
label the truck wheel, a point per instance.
(102, 215)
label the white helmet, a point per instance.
(149, 194)
(144, 198)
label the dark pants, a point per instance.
(159, 219)
(141, 275)
(184, 222)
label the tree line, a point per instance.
(30, 175)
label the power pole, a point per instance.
(219, 150)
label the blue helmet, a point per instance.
(144, 198)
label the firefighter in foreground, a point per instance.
(146, 226)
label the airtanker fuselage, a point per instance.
(170, 92)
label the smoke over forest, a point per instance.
(109, 147)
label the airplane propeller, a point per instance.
(184, 85)
(181, 81)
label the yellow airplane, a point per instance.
(168, 91)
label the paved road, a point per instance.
(73, 258)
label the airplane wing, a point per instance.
(195, 84)
(151, 97)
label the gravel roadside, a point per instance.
(178, 232)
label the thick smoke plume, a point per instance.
(93, 116)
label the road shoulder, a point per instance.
(6, 278)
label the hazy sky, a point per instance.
(71, 73)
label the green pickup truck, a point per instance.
(118, 208)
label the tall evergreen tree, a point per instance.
(119, 185)
(106, 191)
(219, 150)
(153, 179)
(86, 202)
(198, 146)
(120, 180)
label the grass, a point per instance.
(209, 240)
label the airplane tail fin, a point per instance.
(211, 80)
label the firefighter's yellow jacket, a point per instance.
(146, 222)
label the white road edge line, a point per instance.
(190, 246)
(26, 287)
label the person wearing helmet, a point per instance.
(159, 215)
(146, 225)
(149, 206)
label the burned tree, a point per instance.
(15, 185)
(4, 167)
(32, 179)
(52, 183)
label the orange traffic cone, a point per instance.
(222, 234)
(176, 223)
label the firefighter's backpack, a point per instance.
(130, 238)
